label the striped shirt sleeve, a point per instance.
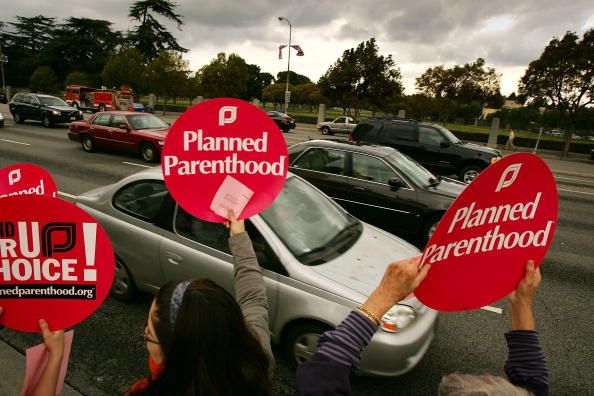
(344, 345)
(526, 365)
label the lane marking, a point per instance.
(132, 163)
(12, 141)
(569, 178)
(577, 192)
(66, 194)
(493, 309)
(573, 173)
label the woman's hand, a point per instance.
(54, 340)
(235, 226)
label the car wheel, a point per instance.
(87, 144)
(430, 227)
(326, 131)
(301, 341)
(123, 287)
(470, 172)
(47, 121)
(18, 118)
(148, 152)
(101, 107)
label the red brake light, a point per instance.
(350, 139)
(287, 119)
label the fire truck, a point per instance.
(95, 99)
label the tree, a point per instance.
(563, 76)
(167, 75)
(362, 78)
(125, 68)
(150, 36)
(294, 78)
(275, 93)
(225, 77)
(308, 93)
(77, 78)
(44, 80)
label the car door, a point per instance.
(433, 156)
(338, 125)
(350, 125)
(121, 138)
(373, 200)
(30, 108)
(324, 168)
(401, 136)
(99, 130)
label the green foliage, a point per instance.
(294, 78)
(167, 75)
(228, 76)
(275, 93)
(308, 93)
(44, 80)
(125, 68)
(77, 78)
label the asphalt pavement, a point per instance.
(107, 355)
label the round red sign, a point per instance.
(56, 263)
(479, 250)
(224, 154)
(26, 179)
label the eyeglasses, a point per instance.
(146, 336)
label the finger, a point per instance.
(227, 224)
(1, 310)
(231, 215)
(421, 275)
(45, 330)
(530, 266)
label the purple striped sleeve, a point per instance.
(344, 345)
(526, 365)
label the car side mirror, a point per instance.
(395, 183)
(444, 144)
(124, 126)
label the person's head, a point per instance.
(478, 385)
(197, 331)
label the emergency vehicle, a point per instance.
(94, 99)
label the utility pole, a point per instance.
(287, 93)
(2, 58)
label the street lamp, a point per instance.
(288, 63)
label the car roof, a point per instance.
(122, 112)
(38, 94)
(363, 148)
(157, 173)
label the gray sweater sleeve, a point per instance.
(250, 291)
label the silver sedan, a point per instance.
(318, 263)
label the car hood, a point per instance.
(61, 108)
(362, 267)
(158, 133)
(483, 149)
(448, 188)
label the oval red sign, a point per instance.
(26, 179)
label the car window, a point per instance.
(214, 235)
(367, 132)
(146, 121)
(339, 120)
(141, 199)
(117, 120)
(34, 99)
(322, 160)
(26, 99)
(51, 101)
(400, 131)
(102, 119)
(373, 169)
(429, 136)
(17, 98)
(264, 253)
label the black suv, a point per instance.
(284, 122)
(45, 108)
(435, 147)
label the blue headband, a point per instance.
(176, 299)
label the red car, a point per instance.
(140, 133)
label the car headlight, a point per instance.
(79, 112)
(56, 112)
(397, 318)
(161, 142)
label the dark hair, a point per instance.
(210, 350)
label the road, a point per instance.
(108, 355)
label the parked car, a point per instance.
(377, 184)
(141, 108)
(340, 124)
(284, 122)
(318, 263)
(592, 154)
(433, 146)
(50, 110)
(140, 133)
(3, 98)
(1, 120)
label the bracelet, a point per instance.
(370, 315)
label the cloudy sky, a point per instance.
(418, 34)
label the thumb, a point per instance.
(421, 275)
(45, 330)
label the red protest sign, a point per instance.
(56, 263)
(221, 154)
(26, 179)
(479, 250)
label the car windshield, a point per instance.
(412, 169)
(448, 135)
(51, 101)
(313, 228)
(149, 121)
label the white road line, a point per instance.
(66, 194)
(493, 309)
(12, 141)
(569, 178)
(577, 192)
(132, 163)
(573, 173)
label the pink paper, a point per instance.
(36, 360)
(232, 194)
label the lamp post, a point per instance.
(2, 58)
(288, 63)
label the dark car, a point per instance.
(45, 108)
(139, 133)
(377, 184)
(592, 154)
(433, 146)
(284, 122)
(141, 108)
(3, 98)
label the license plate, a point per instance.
(72, 118)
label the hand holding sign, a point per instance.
(479, 249)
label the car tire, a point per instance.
(101, 108)
(301, 341)
(123, 287)
(326, 131)
(18, 118)
(470, 172)
(429, 227)
(86, 141)
(47, 121)
(148, 152)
